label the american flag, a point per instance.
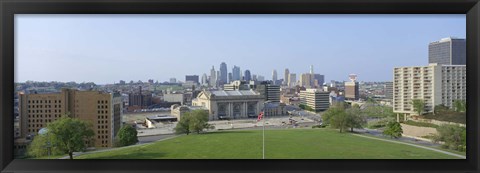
(260, 116)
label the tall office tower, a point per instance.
(103, 110)
(213, 77)
(292, 80)
(448, 51)
(435, 84)
(204, 80)
(351, 88)
(311, 69)
(248, 77)
(254, 77)
(223, 73)
(270, 91)
(316, 99)
(389, 90)
(173, 80)
(285, 77)
(218, 78)
(193, 78)
(236, 73)
(230, 77)
(274, 77)
(306, 80)
(320, 80)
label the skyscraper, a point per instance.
(285, 77)
(213, 77)
(311, 69)
(292, 80)
(223, 73)
(254, 77)
(247, 75)
(204, 79)
(447, 51)
(274, 77)
(320, 79)
(236, 73)
(230, 77)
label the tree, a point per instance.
(355, 117)
(194, 121)
(183, 126)
(460, 105)
(306, 107)
(199, 121)
(42, 144)
(454, 137)
(393, 129)
(332, 111)
(66, 134)
(418, 106)
(340, 121)
(127, 135)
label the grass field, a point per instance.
(280, 144)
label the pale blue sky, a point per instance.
(108, 48)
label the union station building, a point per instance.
(237, 104)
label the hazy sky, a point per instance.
(108, 48)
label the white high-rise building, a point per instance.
(204, 80)
(285, 77)
(292, 80)
(213, 77)
(435, 84)
(274, 77)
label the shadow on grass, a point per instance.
(228, 132)
(130, 156)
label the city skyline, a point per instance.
(106, 44)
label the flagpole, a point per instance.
(264, 113)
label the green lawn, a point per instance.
(280, 144)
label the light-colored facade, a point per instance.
(435, 84)
(177, 97)
(178, 111)
(230, 104)
(292, 80)
(103, 110)
(352, 90)
(286, 75)
(213, 77)
(316, 99)
(306, 80)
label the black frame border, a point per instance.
(10, 7)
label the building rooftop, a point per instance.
(234, 93)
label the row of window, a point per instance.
(46, 106)
(46, 111)
(41, 115)
(102, 137)
(102, 102)
(46, 101)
